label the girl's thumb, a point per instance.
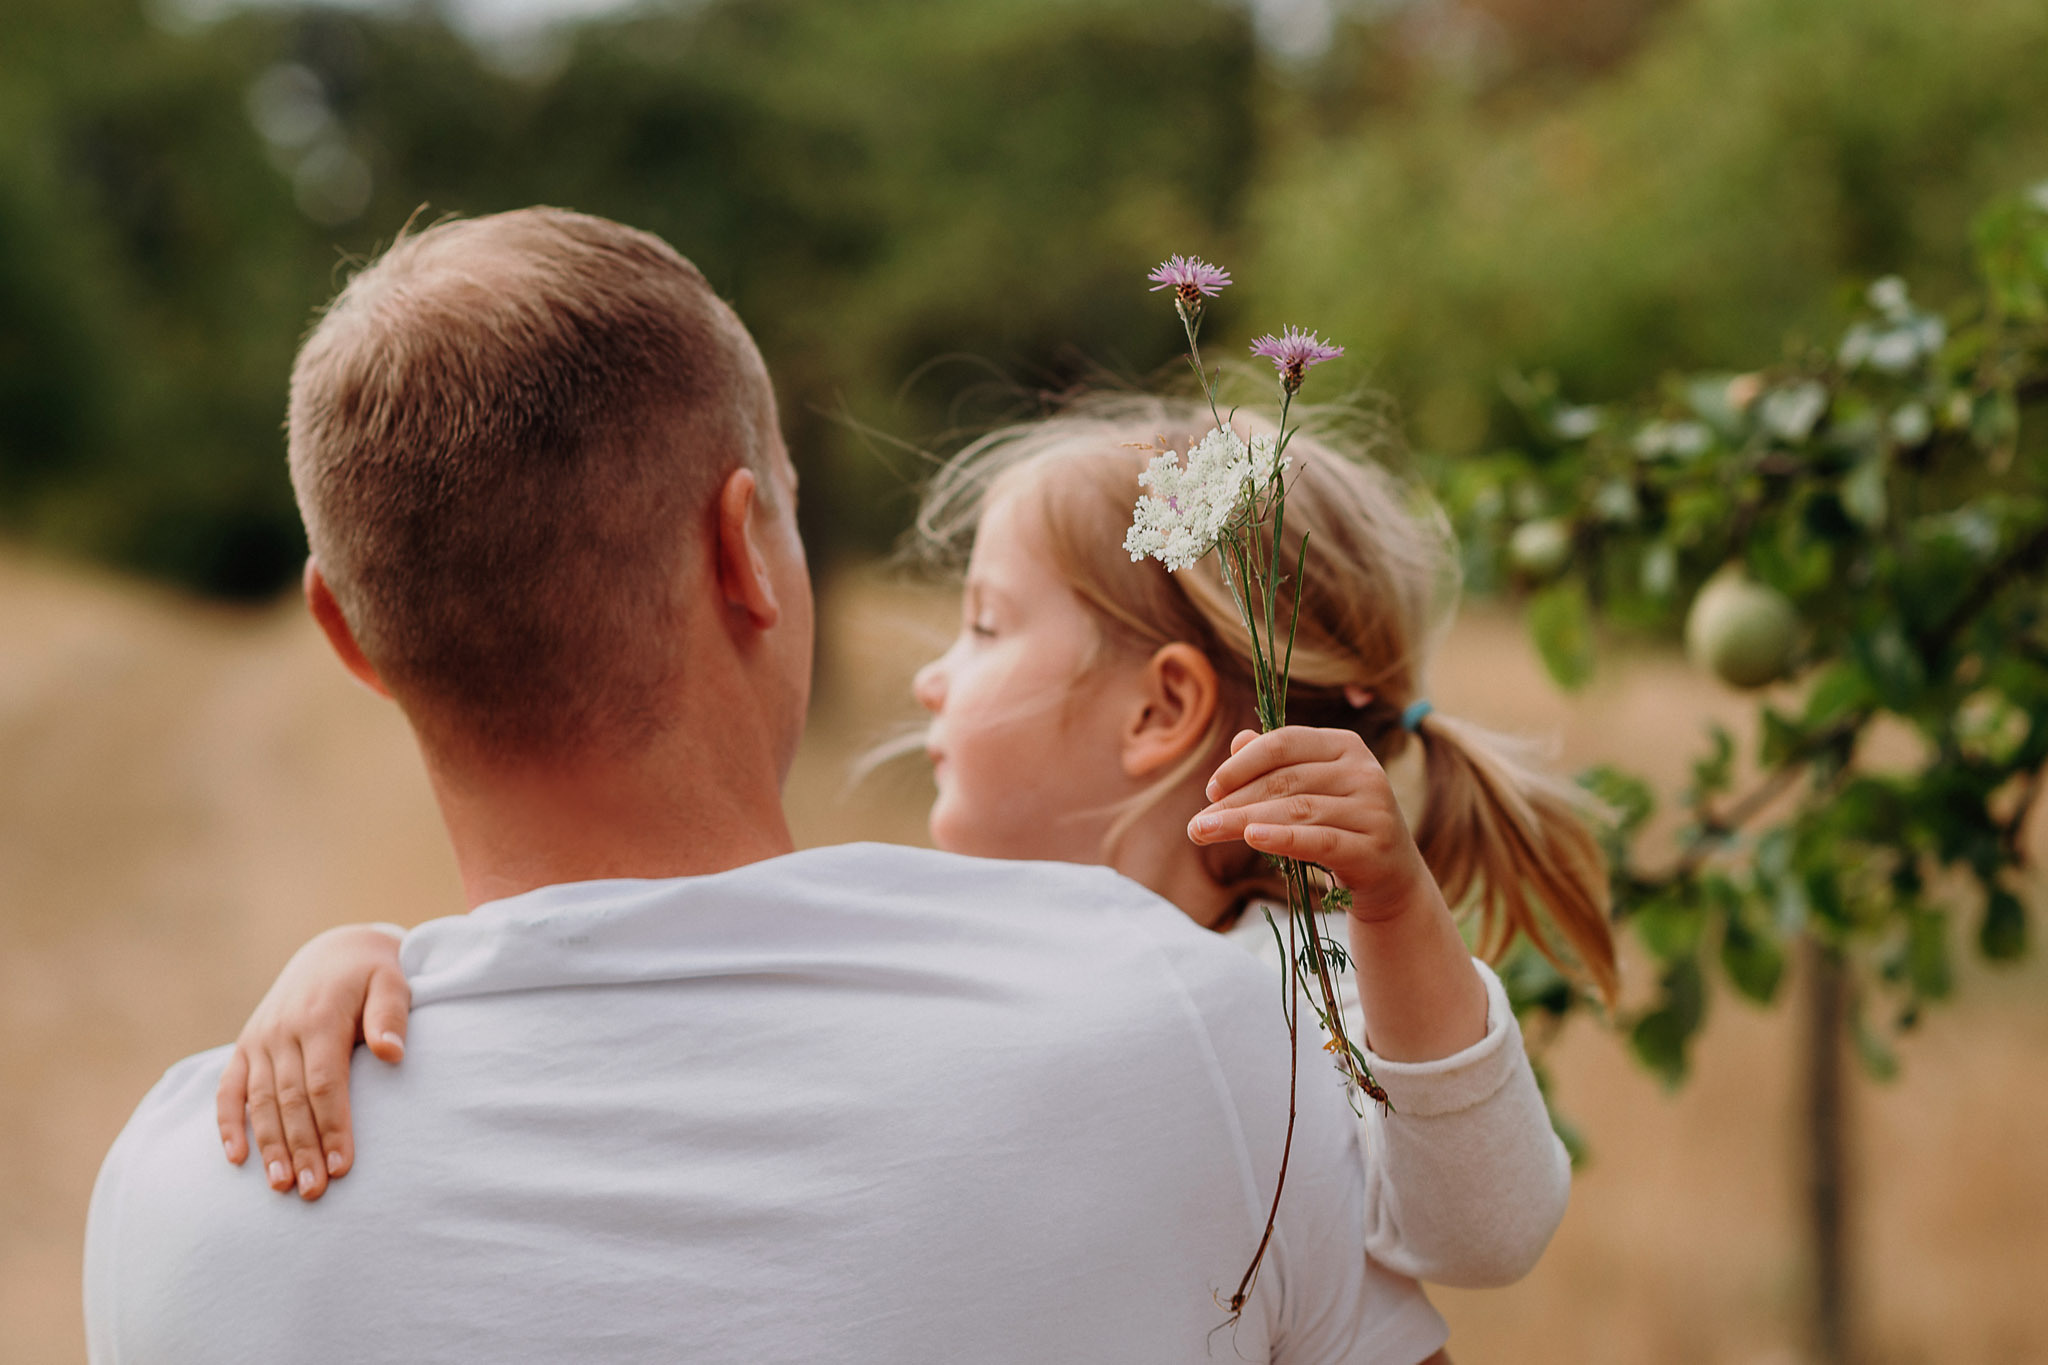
(385, 1013)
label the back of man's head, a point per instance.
(505, 434)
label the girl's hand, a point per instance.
(1320, 796)
(290, 1066)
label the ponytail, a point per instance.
(1500, 834)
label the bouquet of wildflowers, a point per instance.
(1230, 496)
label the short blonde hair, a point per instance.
(502, 435)
(1381, 580)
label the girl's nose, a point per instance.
(929, 686)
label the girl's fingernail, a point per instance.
(278, 1174)
(392, 1041)
(305, 1182)
(334, 1163)
(1205, 824)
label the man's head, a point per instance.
(509, 437)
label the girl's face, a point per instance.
(1025, 737)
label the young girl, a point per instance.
(1094, 709)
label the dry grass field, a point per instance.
(186, 793)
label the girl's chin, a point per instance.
(945, 833)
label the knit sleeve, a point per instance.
(1465, 1178)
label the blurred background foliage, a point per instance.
(1599, 256)
(932, 213)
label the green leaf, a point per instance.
(2012, 255)
(1836, 693)
(1660, 1038)
(1781, 737)
(1659, 572)
(1896, 672)
(2003, 936)
(1669, 926)
(1995, 422)
(1754, 961)
(1792, 561)
(1712, 774)
(1927, 965)
(1791, 413)
(1827, 517)
(1777, 880)
(1561, 623)
(1629, 797)
(1822, 880)
(1710, 397)
(1863, 492)
(1616, 504)
(1533, 984)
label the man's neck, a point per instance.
(673, 810)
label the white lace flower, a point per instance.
(1190, 506)
(1264, 464)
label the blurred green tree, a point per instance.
(1695, 200)
(874, 185)
(1869, 522)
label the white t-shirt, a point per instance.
(854, 1104)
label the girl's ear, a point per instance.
(1178, 700)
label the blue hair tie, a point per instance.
(1412, 714)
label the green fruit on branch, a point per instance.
(1740, 630)
(1541, 548)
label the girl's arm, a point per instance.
(1321, 796)
(290, 1067)
(1465, 1179)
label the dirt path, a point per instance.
(188, 793)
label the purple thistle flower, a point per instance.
(1293, 353)
(1190, 278)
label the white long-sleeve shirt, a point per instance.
(853, 1104)
(1466, 1180)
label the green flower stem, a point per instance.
(1249, 556)
(1192, 325)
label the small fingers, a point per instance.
(301, 1134)
(1288, 780)
(266, 1126)
(1251, 758)
(1221, 823)
(230, 1106)
(385, 1013)
(327, 1061)
(1310, 843)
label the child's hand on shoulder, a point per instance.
(290, 1067)
(1319, 796)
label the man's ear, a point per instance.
(743, 577)
(1178, 704)
(320, 601)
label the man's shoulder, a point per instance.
(164, 1191)
(924, 877)
(811, 909)
(171, 1143)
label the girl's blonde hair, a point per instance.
(1381, 581)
